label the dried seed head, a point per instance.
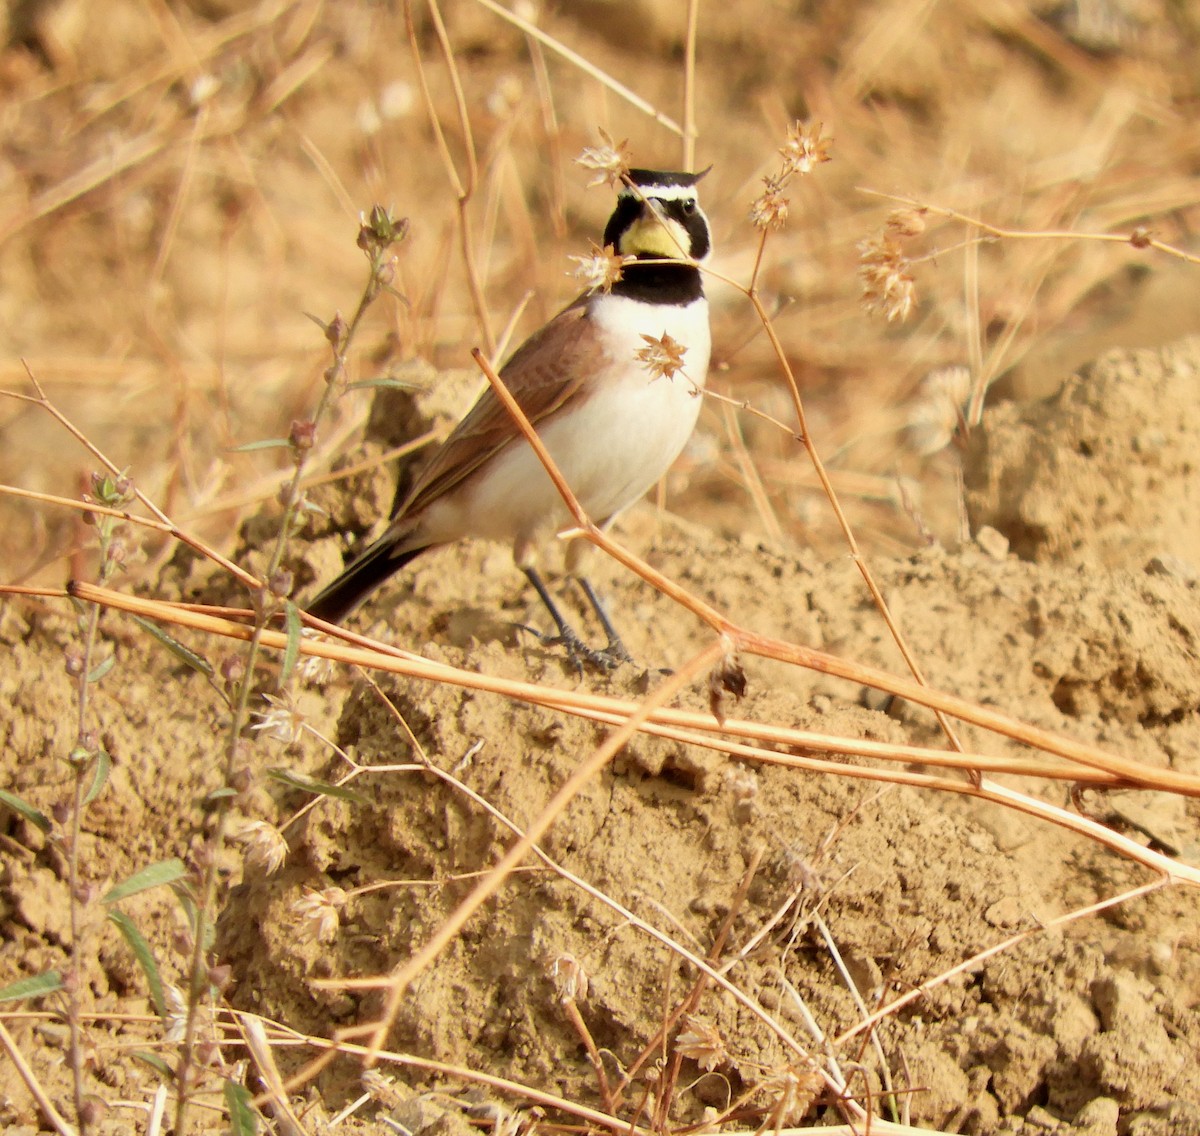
(885, 276)
(937, 413)
(742, 783)
(92, 1110)
(302, 435)
(177, 1014)
(335, 331)
(281, 583)
(263, 846)
(601, 269)
(805, 148)
(700, 1041)
(662, 357)
(232, 669)
(319, 912)
(383, 1089)
(569, 978)
(727, 677)
(610, 161)
(795, 1089)
(770, 211)
(907, 222)
(380, 230)
(315, 669)
(283, 721)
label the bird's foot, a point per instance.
(617, 652)
(579, 654)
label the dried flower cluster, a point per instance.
(662, 357)
(793, 1090)
(700, 1041)
(569, 978)
(937, 414)
(610, 161)
(600, 269)
(885, 271)
(315, 670)
(177, 1015)
(806, 148)
(770, 210)
(320, 913)
(283, 721)
(263, 846)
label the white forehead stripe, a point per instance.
(662, 192)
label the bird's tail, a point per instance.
(363, 575)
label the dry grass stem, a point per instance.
(1127, 772)
(584, 65)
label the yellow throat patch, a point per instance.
(652, 235)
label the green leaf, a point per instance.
(99, 776)
(243, 1120)
(34, 987)
(291, 653)
(320, 788)
(145, 956)
(156, 1063)
(34, 816)
(102, 668)
(384, 381)
(152, 876)
(187, 901)
(219, 795)
(182, 653)
(263, 444)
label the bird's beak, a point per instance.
(655, 234)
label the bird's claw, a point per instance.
(579, 654)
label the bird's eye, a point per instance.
(688, 206)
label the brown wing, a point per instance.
(537, 375)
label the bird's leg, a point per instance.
(616, 650)
(577, 650)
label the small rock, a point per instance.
(1173, 567)
(1006, 912)
(993, 542)
(1098, 1117)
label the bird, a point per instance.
(612, 426)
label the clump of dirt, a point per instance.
(1105, 471)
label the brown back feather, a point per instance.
(567, 345)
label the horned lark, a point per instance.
(612, 426)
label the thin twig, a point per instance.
(584, 65)
(388, 659)
(975, 960)
(33, 1084)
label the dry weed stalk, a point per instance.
(1140, 237)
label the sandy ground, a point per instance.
(1090, 1023)
(1073, 605)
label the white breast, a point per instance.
(611, 450)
